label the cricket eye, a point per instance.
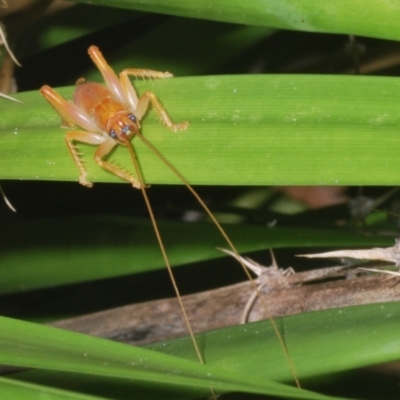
(112, 133)
(132, 117)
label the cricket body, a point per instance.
(109, 115)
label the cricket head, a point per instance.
(122, 126)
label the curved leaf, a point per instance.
(365, 18)
(55, 349)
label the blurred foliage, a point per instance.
(265, 109)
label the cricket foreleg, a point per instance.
(146, 73)
(84, 137)
(130, 95)
(143, 105)
(102, 152)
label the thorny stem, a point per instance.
(232, 246)
(10, 206)
(3, 40)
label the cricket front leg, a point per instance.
(102, 152)
(69, 112)
(146, 73)
(131, 98)
(84, 137)
(143, 105)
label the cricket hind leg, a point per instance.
(124, 90)
(109, 76)
(71, 114)
(122, 87)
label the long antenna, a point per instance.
(164, 253)
(231, 245)
(161, 245)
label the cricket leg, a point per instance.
(121, 91)
(84, 137)
(102, 151)
(108, 73)
(143, 105)
(131, 97)
(69, 112)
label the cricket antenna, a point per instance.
(231, 245)
(164, 253)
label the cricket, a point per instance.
(111, 115)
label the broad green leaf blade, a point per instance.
(152, 50)
(156, 47)
(319, 343)
(70, 24)
(12, 389)
(365, 18)
(55, 251)
(259, 130)
(34, 346)
(109, 387)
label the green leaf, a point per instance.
(251, 130)
(319, 342)
(149, 49)
(34, 346)
(71, 24)
(237, 358)
(357, 17)
(243, 130)
(12, 389)
(54, 251)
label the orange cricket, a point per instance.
(109, 115)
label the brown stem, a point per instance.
(160, 320)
